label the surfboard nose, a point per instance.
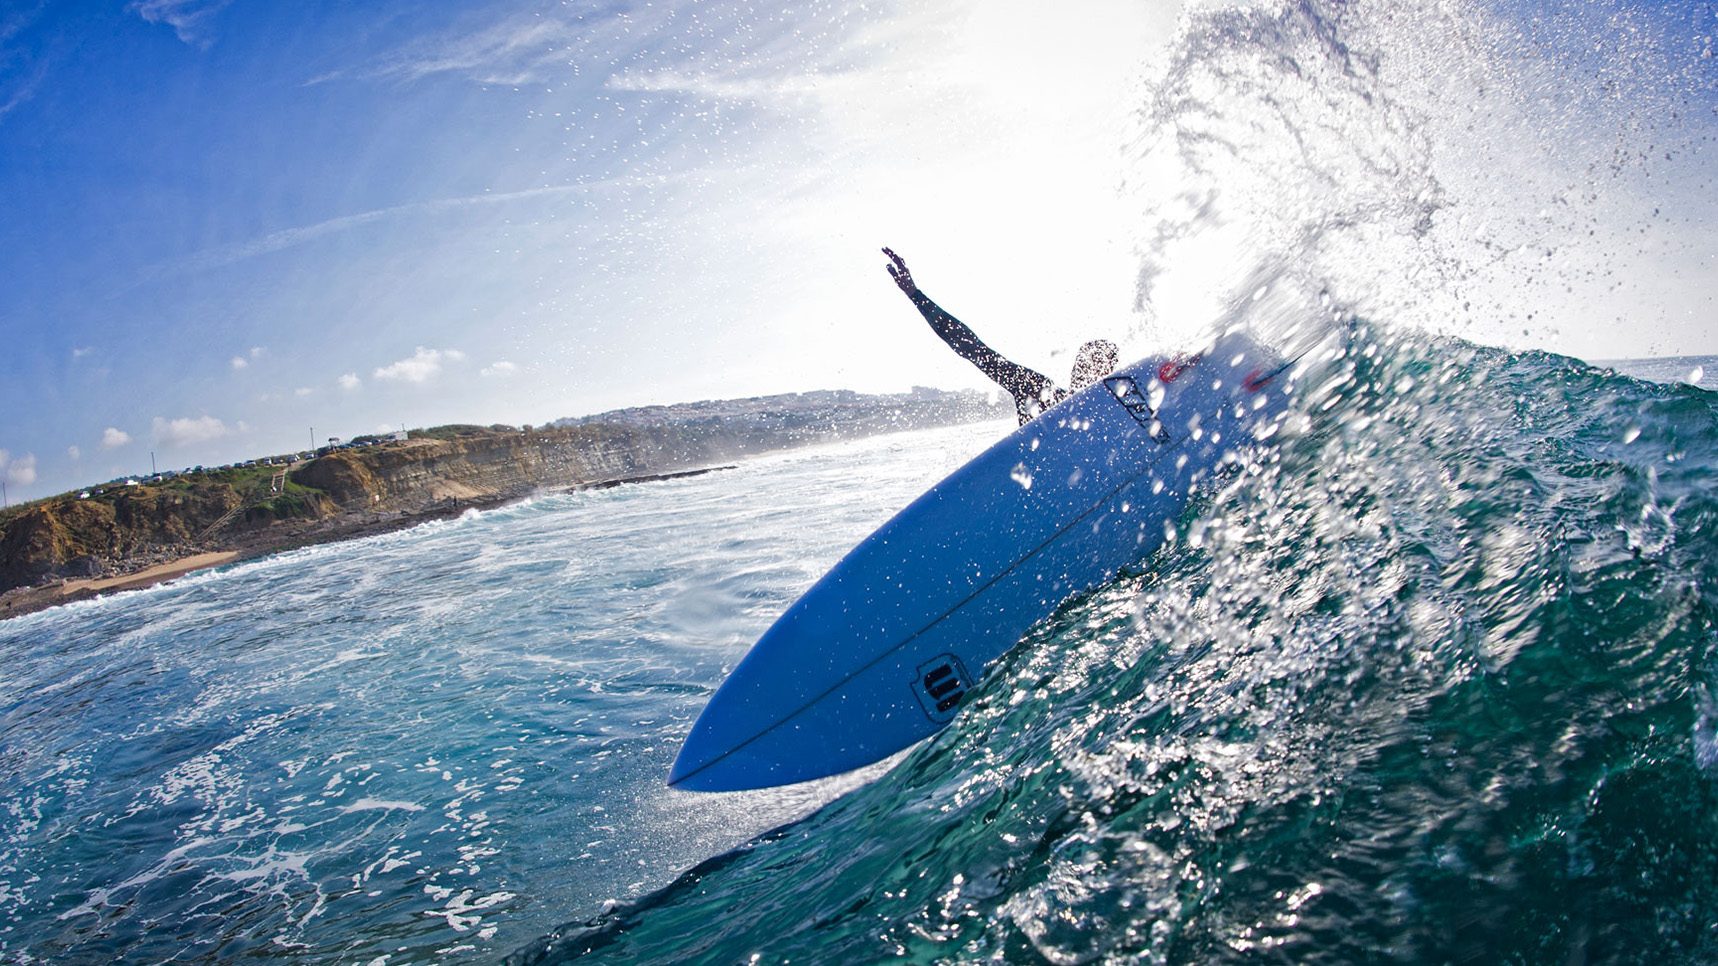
(706, 764)
(727, 759)
(740, 744)
(714, 756)
(686, 765)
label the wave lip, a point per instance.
(1448, 657)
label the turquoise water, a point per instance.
(1433, 679)
(1432, 682)
(439, 742)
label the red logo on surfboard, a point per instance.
(1172, 370)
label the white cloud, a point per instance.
(188, 18)
(257, 351)
(239, 362)
(527, 48)
(502, 368)
(22, 92)
(114, 437)
(423, 366)
(292, 237)
(20, 471)
(78, 352)
(22, 72)
(302, 391)
(350, 381)
(538, 45)
(187, 431)
(716, 87)
(75, 453)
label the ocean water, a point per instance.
(1699, 371)
(435, 743)
(1432, 679)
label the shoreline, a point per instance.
(160, 573)
(29, 600)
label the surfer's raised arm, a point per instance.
(1032, 390)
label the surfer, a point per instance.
(1033, 391)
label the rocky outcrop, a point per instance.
(75, 537)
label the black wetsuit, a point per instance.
(1033, 391)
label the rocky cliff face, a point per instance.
(420, 473)
(71, 537)
(132, 526)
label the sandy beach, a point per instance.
(149, 575)
(18, 602)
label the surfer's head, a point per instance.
(1095, 360)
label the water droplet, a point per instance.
(1631, 435)
(1695, 375)
(1022, 476)
(1706, 730)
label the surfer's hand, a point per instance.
(898, 272)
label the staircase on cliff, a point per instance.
(224, 519)
(258, 494)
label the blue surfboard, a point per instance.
(879, 653)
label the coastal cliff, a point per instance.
(126, 527)
(480, 464)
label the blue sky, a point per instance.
(229, 222)
(226, 222)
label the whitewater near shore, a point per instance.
(442, 738)
(132, 534)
